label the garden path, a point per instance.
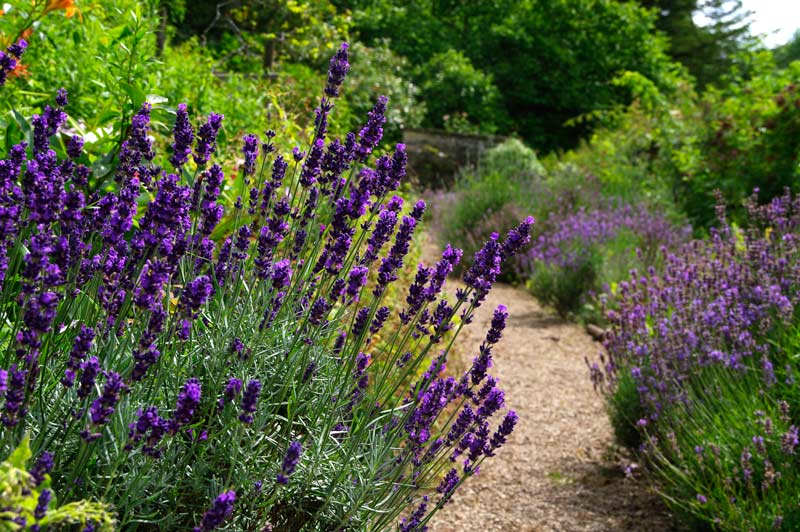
(557, 472)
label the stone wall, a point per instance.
(435, 156)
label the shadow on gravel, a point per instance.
(602, 489)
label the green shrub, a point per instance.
(512, 159)
(492, 196)
(624, 410)
(460, 97)
(732, 140)
(565, 287)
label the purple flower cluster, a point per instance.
(702, 347)
(569, 237)
(249, 401)
(337, 71)
(184, 136)
(220, 510)
(135, 304)
(713, 305)
(290, 462)
(9, 58)
(207, 139)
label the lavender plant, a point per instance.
(192, 376)
(700, 366)
(578, 252)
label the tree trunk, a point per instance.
(269, 56)
(161, 36)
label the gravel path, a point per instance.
(557, 471)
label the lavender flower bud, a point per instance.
(337, 71)
(184, 136)
(220, 510)
(290, 462)
(250, 401)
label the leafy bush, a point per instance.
(585, 240)
(733, 140)
(512, 158)
(26, 497)
(490, 197)
(459, 97)
(565, 287)
(251, 348)
(709, 346)
(377, 70)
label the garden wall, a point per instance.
(435, 156)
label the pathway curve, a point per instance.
(557, 472)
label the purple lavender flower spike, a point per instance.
(461, 425)
(250, 401)
(187, 403)
(312, 165)
(517, 238)
(418, 210)
(61, 97)
(413, 523)
(281, 273)
(372, 133)
(232, 390)
(319, 310)
(75, 146)
(387, 272)
(104, 406)
(250, 151)
(448, 484)
(380, 318)
(184, 137)
(220, 510)
(356, 279)
(195, 294)
(8, 59)
(387, 219)
(503, 431)
(80, 347)
(360, 323)
(13, 410)
(151, 428)
(290, 462)
(494, 401)
(43, 466)
(41, 505)
(337, 71)
(207, 139)
(483, 361)
(416, 294)
(89, 371)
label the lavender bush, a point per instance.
(585, 240)
(197, 367)
(580, 251)
(700, 371)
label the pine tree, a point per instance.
(705, 35)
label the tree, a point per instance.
(549, 60)
(255, 34)
(788, 52)
(708, 50)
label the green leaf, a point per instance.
(137, 95)
(19, 458)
